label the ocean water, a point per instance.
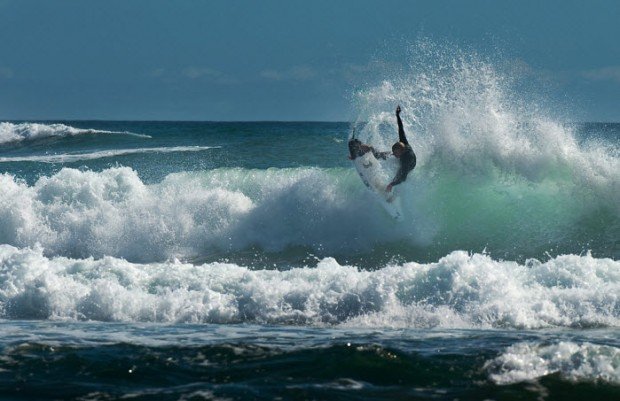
(247, 260)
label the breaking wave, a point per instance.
(571, 361)
(11, 133)
(327, 212)
(467, 120)
(458, 291)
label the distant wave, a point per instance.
(10, 132)
(460, 290)
(73, 157)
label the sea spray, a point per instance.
(464, 117)
(491, 161)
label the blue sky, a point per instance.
(282, 60)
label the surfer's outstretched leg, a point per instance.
(357, 149)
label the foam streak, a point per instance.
(73, 157)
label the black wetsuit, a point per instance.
(407, 159)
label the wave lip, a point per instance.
(573, 362)
(74, 157)
(10, 133)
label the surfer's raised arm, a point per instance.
(401, 131)
(404, 153)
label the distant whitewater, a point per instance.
(10, 132)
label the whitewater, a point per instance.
(12, 132)
(458, 291)
(215, 249)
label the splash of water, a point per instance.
(467, 119)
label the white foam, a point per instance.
(83, 213)
(465, 116)
(458, 291)
(10, 132)
(572, 361)
(73, 157)
(114, 213)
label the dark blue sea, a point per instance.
(247, 260)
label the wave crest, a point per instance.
(467, 118)
(11, 133)
(327, 212)
(458, 291)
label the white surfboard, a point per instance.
(376, 179)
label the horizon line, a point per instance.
(55, 120)
(170, 121)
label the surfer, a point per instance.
(403, 152)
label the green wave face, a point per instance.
(266, 216)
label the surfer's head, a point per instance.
(398, 149)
